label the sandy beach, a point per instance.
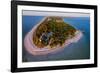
(34, 50)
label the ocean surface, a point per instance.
(74, 51)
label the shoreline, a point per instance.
(34, 50)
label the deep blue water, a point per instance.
(79, 50)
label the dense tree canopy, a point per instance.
(53, 31)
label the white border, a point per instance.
(53, 63)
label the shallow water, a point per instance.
(79, 50)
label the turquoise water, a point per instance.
(79, 50)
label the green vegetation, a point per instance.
(53, 31)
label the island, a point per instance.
(50, 35)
